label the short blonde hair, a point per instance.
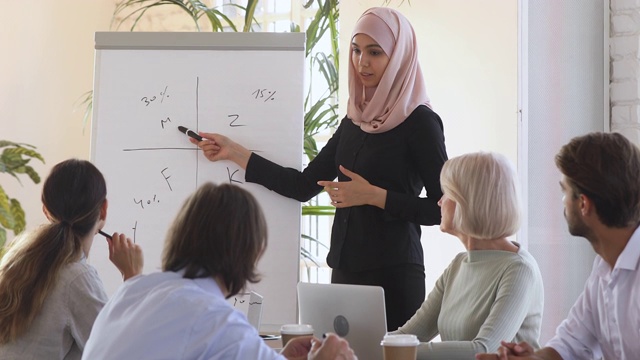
(485, 188)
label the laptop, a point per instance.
(354, 312)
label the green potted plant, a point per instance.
(14, 161)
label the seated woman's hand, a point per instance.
(125, 255)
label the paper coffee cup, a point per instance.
(290, 331)
(400, 347)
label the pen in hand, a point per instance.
(104, 234)
(190, 133)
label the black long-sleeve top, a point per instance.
(402, 161)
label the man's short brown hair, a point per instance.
(605, 167)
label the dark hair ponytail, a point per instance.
(73, 196)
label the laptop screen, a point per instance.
(354, 312)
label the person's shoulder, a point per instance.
(525, 257)
(424, 117)
(79, 279)
(459, 259)
(164, 282)
(170, 294)
(423, 112)
(524, 264)
(77, 269)
(199, 293)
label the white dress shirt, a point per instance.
(164, 316)
(605, 321)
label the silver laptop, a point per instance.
(355, 312)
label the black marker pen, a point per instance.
(104, 234)
(190, 133)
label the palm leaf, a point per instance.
(387, 2)
(12, 162)
(214, 19)
(316, 119)
(321, 23)
(144, 6)
(22, 151)
(310, 147)
(33, 175)
(5, 143)
(19, 219)
(6, 215)
(85, 100)
(249, 14)
(12, 159)
(306, 254)
(3, 240)
(14, 165)
(314, 240)
(328, 69)
(334, 17)
(326, 118)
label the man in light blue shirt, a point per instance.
(601, 187)
(182, 313)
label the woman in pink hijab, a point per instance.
(388, 148)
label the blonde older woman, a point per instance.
(493, 291)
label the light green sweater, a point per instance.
(483, 297)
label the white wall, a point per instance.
(565, 95)
(468, 54)
(46, 65)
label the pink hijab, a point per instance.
(401, 88)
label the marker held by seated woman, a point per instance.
(104, 234)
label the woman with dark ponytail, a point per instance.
(49, 294)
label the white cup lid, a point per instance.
(400, 340)
(296, 329)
